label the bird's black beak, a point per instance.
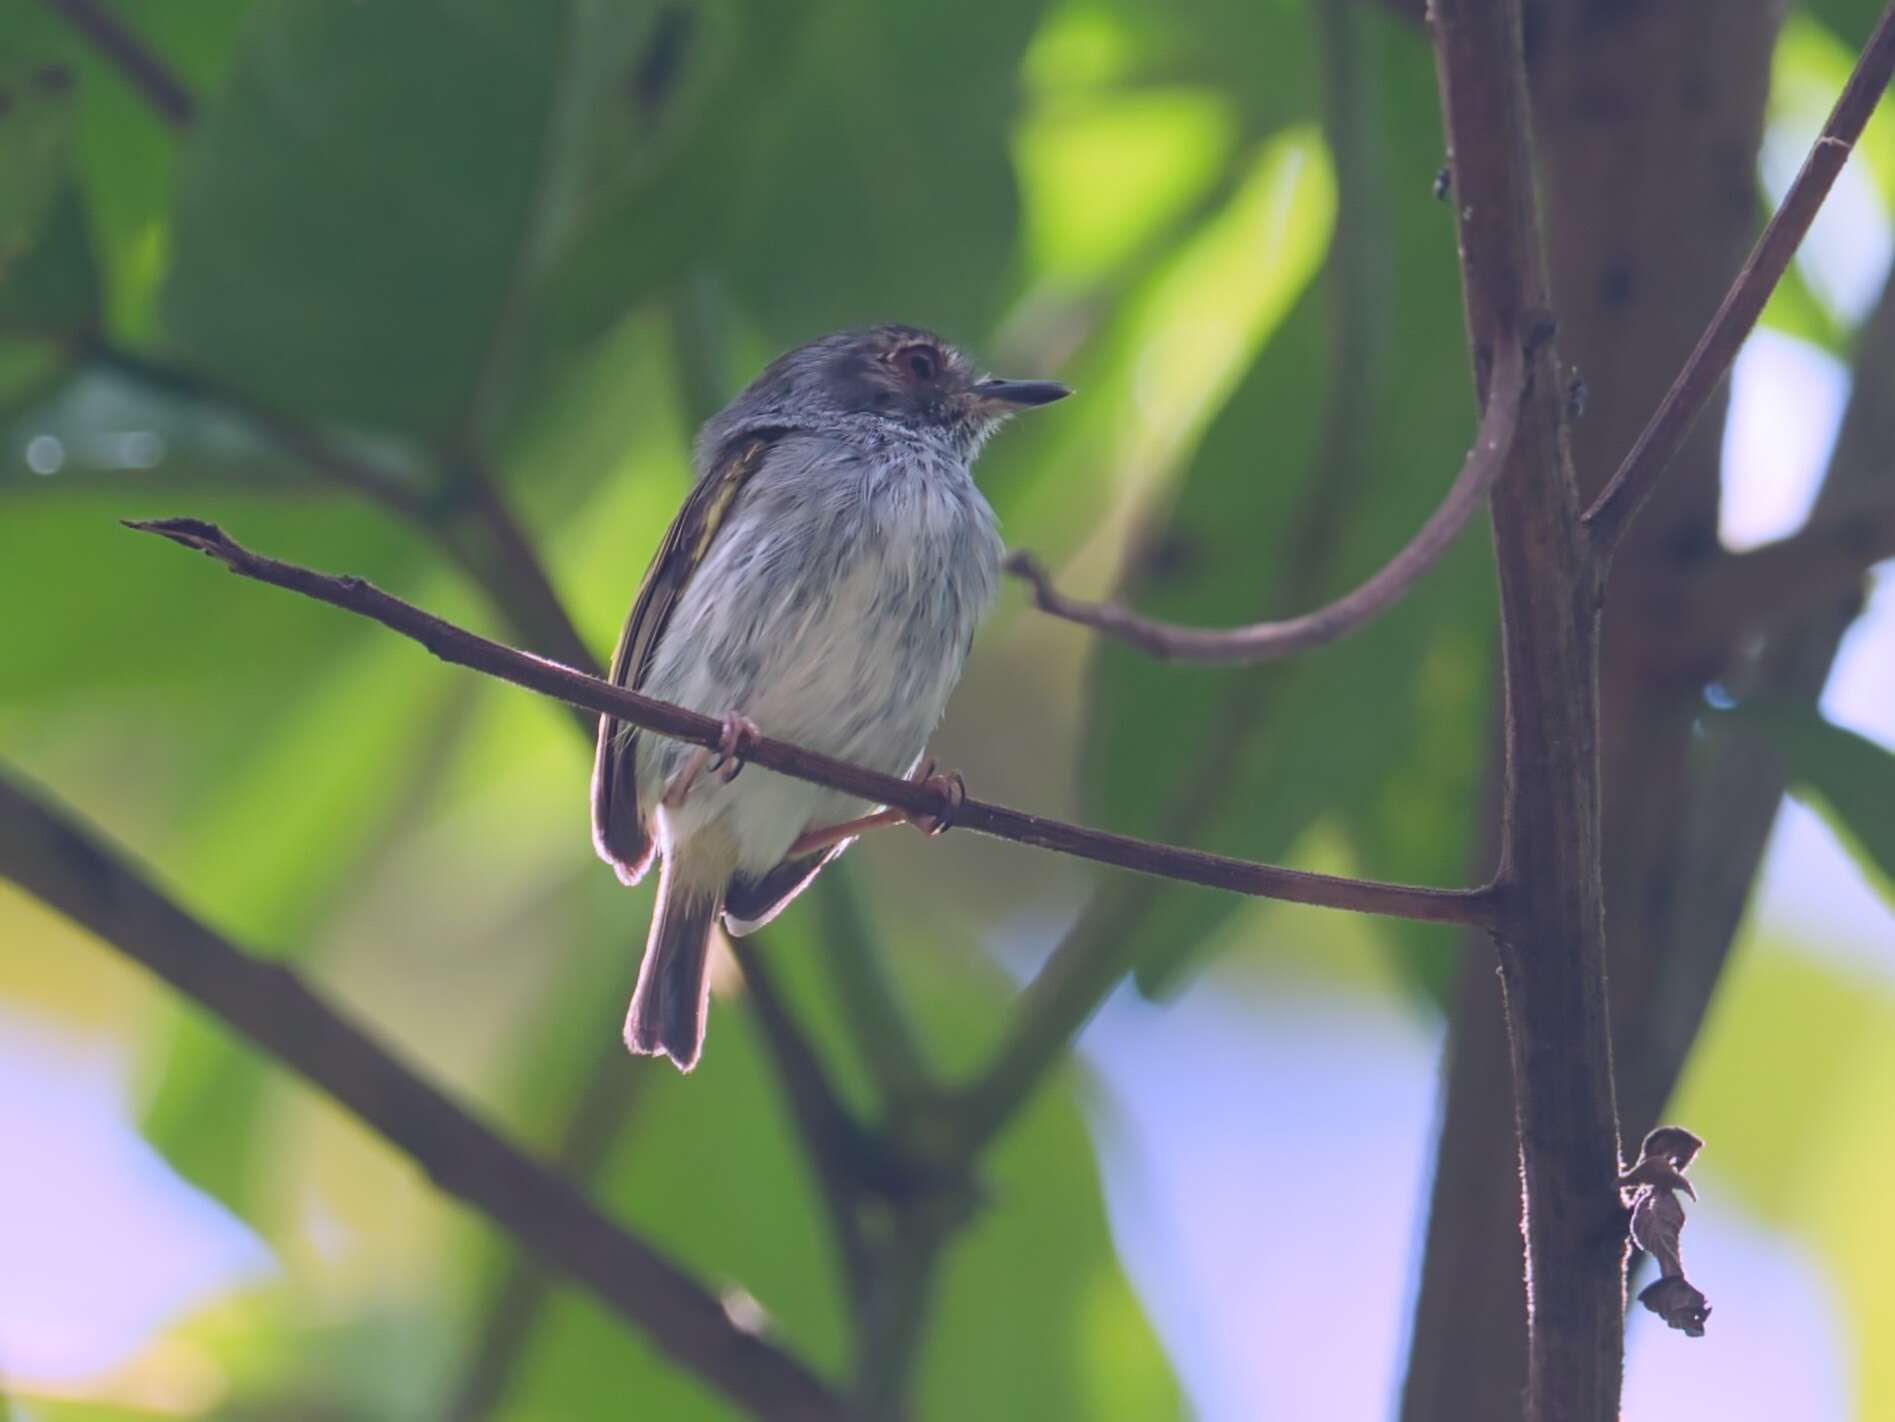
(1021, 393)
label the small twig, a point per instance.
(51, 857)
(143, 70)
(1264, 641)
(463, 648)
(1665, 434)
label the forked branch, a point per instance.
(463, 648)
(1658, 444)
(1266, 641)
(1736, 594)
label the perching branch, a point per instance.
(1665, 434)
(51, 857)
(1263, 641)
(464, 648)
(149, 75)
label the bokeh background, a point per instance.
(538, 243)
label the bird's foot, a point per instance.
(740, 735)
(949, 785)
(952, 790)
(734, 746)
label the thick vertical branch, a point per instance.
(1551, 937)
(1646, 122)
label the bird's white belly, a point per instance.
(859, 668)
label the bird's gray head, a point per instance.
(898, 376)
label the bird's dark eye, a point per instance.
(922, 362)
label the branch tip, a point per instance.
(195, 533)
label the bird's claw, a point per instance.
(739, 738)
(953, 792)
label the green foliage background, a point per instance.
(537, 243)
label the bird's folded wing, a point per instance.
(619, 831)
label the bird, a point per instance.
(821, 584)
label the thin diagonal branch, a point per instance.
(149, 75)
(51, 857)
(464, 648)
(1664, 435)
(1264, 641)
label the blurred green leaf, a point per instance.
(48, 283)
(1782, 1043)
(121, 152)
(733, 1199)
(471, 205)
(881, 178)
(1848, 778)
(1789, 1089)
(162, 623)
(1245, 760)
(1808, 69)
(1103, 175)
(53, 284)
(276, 844)
(36, 109)
(1852, 20)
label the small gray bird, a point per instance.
(822, 584)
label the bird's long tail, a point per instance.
(673, 993)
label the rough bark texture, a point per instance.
(1551, 933)
(1647, 119)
